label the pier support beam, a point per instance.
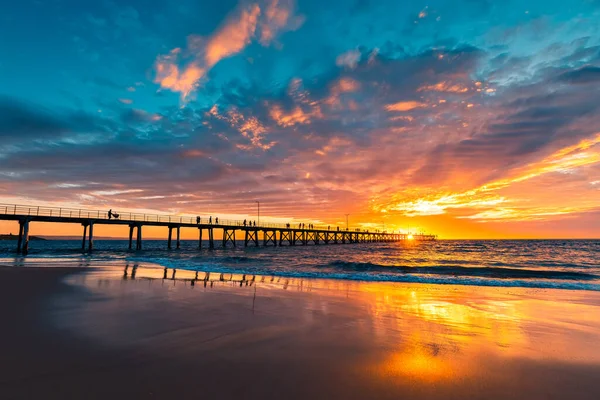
(228, 236)
(138, 242)
(298, 236)
(84, 237)
(25, 248)
(251, 236)
(285, 236)
(20, 240)
(170, 238)
(91, 239)
(130, 236)
(211, 241)
(269, 237)
(200, 238)
(178, 237)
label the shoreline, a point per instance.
(589, 284)
(144, 336)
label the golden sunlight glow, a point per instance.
(489, 205)
(410, 237)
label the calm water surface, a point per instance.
(565, 264)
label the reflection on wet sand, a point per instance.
(383, 332)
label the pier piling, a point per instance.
(91, 239)
(25, 249)
(130, 236)
(138, 242)
(84, 237)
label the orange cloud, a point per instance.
(296, 117)
(446, 87)
(278, 16)
(231, 38)
(335, 143)
(346, 85)
(234, 36)
(170, 77)
(253, 130)
(249, 127)
(343, 85)
(404, 106)
(193, 153)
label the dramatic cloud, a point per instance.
(464, 119)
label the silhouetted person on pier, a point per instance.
(210, 220)
(217, 220)
(110, 213)
(245, 223)
(255, 223)
(198, 220)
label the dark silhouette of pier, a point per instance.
(272, 234)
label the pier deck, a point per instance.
(272, 234)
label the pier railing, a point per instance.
(27, 210)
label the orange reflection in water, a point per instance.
(418, 364)
(424, 332)
(436, 332)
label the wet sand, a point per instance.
(110, 332)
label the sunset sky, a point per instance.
(465, 118)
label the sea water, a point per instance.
(564, 264)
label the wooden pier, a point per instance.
(272, 234)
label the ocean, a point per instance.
(561, 264)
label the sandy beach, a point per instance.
(127, 332)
